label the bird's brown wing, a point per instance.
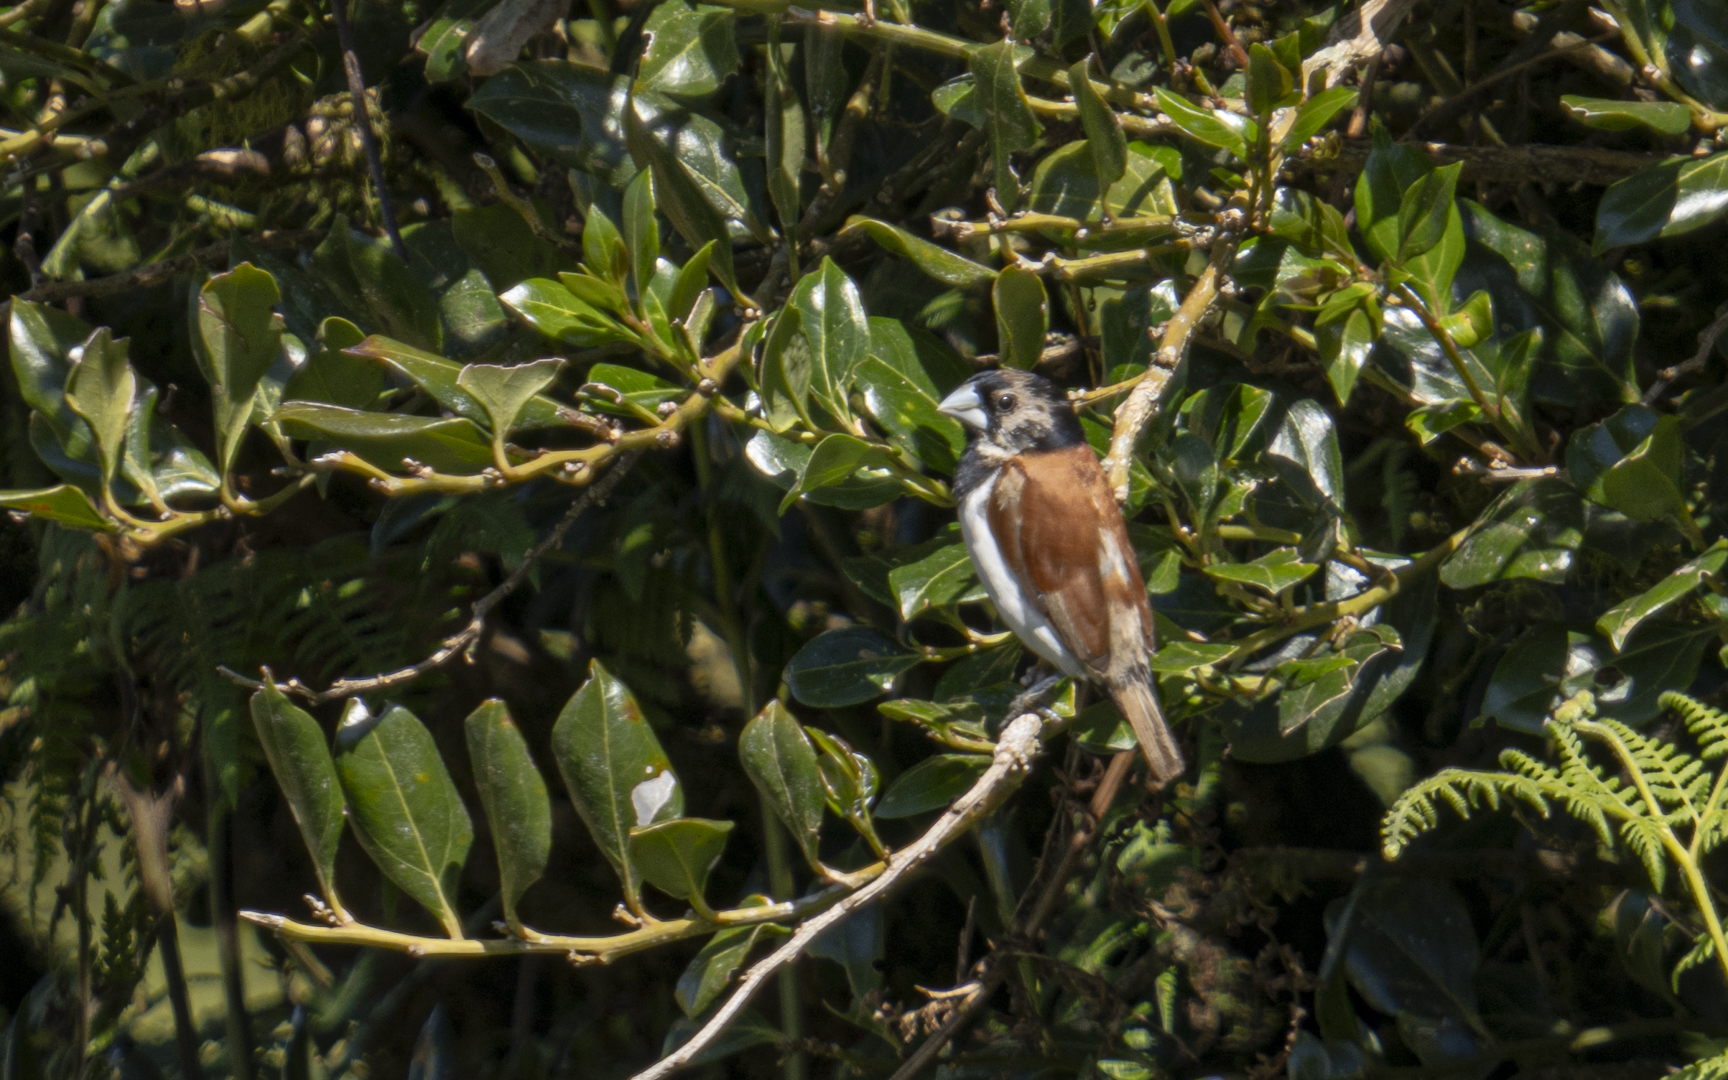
(1063, 536)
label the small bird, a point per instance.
(1051, 547)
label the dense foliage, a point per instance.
(482, 594)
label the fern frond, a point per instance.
(1675, 779)
(1710, 1068)
(1644, 836)
(1702, 952)
(1709, 726)
(1417, 810)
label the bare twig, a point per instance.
(1443, 108)
(363, 117)
(1015, 751)
(157, 272)
(1494, 164)
(523, 207)
(1355, 39)
(1136, 412)
(465, 639)
(1706, 342)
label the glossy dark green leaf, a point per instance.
(456, 446)
(779, 760)
(1424, 211)
(1543, 667)
(1410, 952)
(505, 391)
(849, 781)
(444, 42)
(300, 760)
(570, 112)
(835, 462)
(784, 132)
(242, 337)
(1313, 114)
(1608, 114)
(846, 667)
(1630, 462)
(43, 341)
(613, 766)
(836, 333)
(502, 246)
(551, 308)
(404, 806)
(332, 376)
(1007, 113)
(101, 389)
(1344, 348)
(1619, 622)
(379, 289)
(1532, 530)
(906, 410)
(437, 376)
(1656, 658)
(676, 856)
(940, 263)
(1667, 199)
(1028, 18)
(684, 195)
(1212, 127)
(931, 784)
(1104, 136)
(1588, 317)
(942, 578)
(1308, 438)
(513, 793)
(65, 504)
(1391, 170)
(721, 956)
(690, 50)
(1022, 316)
(1275, 572)
(1066, 184)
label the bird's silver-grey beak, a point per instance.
(965, 406)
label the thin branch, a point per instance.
(1494, 164)
(1445, 107)
(1136, 412)
(156, 273)
(1019, 745)
(465, 639)
(363, 117)
(1706, 342)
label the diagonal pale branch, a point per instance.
(1019, 745)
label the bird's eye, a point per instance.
(1005, 403)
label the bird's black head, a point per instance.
(1014, 412)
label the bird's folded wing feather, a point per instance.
(1063, 536)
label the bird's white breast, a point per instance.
(1013, 599)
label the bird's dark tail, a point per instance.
(1138, 701)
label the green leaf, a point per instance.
(850, 782)
(719, 959)
(1391, 170)
(940, 263)
(638, 387)
(784, 132)
(505, 391)
(1007, 113)
(64, 504)
(445, 42)
(43, 340)
(513, 793)
(1066, 184)
(332, 376)
(1028, 18)
(603, 252)
(503, 246)
(1344, 348)
(1320, 690)
(906, 410)
(1429, 422)
(676, 856)
(1471, 323)
(848, 666)
(1313, 114)
(1411, 952)
(569, 112)
(641, 228)
(690, 49)
(242, 338)
(404, 806)
(438, 377)
(1104, 138)
(1667, 117)
(1181, 657)
(101, 389)
(378, 287)
(1531, 531)
(1662, 200)
(616, 773)
(832, 323)
(835, 462)
(1308, 438)
(1630, 462)
(1269, 83)
(1619, 621)
(1425, 210)
(1588, 317)
(1224, 130)
(300, 760)
(779, 760)
(456, 446)
(684, 196)
(1544, 667)
(932, 784)
(938, 580)
(1274, 572)
(1022, 316)
(551, 308)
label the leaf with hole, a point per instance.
(676, 856)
